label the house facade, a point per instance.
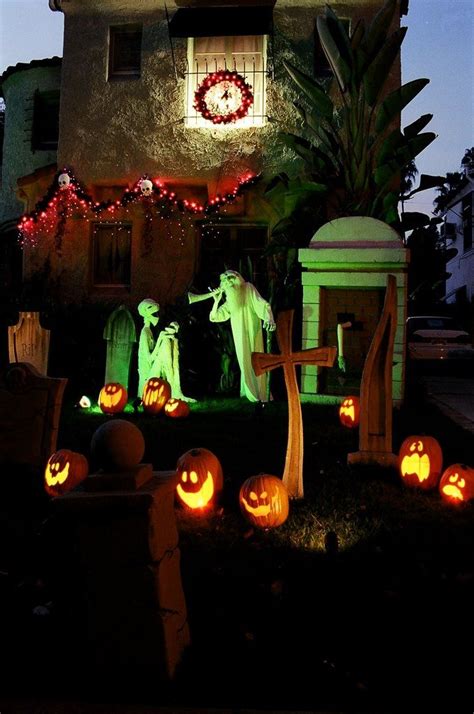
(128, 114)
(458, 232)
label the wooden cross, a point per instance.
(262, 362)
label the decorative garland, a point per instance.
(209, 98)
(66, 198)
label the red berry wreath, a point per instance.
(223, 97)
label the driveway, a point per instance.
(454, 395)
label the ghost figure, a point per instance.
(147, 309)
(63, 181)
(245, 308)
(165, 360)
(146, 187)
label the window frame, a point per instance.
(45, 118)
(123, 73)
(257, 116)
(96, 226)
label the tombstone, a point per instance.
(345, 270)
(120, 334)
(30, 406)
(120, 568)
(29, 342)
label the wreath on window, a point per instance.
(223, 97)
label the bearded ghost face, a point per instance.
(231, 279)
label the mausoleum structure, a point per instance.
(345, 270)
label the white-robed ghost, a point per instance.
(147, 309)
(246, 309)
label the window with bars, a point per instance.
(125, 48)
(244, 54)
(111, 255)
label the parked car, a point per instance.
(433, 337)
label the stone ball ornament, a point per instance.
(146, 187)
(64, 181)
(264, 501)
(117, 445)
(223, 97)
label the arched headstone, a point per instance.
(29, 342)
(120, 333)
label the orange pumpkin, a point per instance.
(176, 408)
(457, 484)
(156, 393)
(264, 501)
(113, 398)
(65, 470)
(349, 412)
(200, 479)
(420, 461)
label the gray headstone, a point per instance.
(120, 333)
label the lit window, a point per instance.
(244, 54)
(111, 255)
(125, 47)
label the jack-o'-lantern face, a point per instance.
(420, 462)
(199, 479)
(113, 398)
(349, 412)
(457, 484)
(176, 408)
(64, 470)
(156, 393)
(264, 501)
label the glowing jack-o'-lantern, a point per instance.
(264, 501)
(156, 393)
(420, 461)
(349, 412)
(457, 484)
(113, 398)
(64, 470)
(200, 479)
(176, 408)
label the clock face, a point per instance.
(223, 97)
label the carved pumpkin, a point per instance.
(349, 412)
(176, 408)
(113, 398)
(420, 461)
(64, 470)
(200, 479)
(457, 484)
(156, 393)
(264, 501)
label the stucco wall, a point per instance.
(18, 158)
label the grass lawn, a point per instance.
(360, 600)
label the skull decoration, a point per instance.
(148, 309)
(146, 187)
(64, 181)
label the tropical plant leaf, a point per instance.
(393, 104)
(418, 125)
(338, 64)
(426, 182)
(413, 219)
(378, 29)
(378, 70)
(321, 103)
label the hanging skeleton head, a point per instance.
(146, 187)
(63, 181)
(148, 309)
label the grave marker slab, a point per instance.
(29, 342)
